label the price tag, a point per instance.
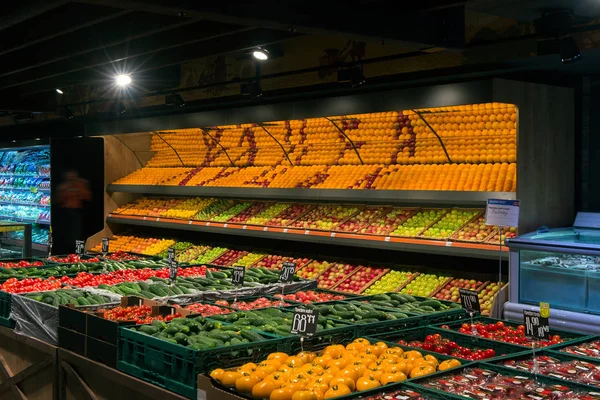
(288, 269)
(387, 239)
(307, 232)
(285, 230)
(265, 229)
(239, 273)
(190, 222)
(224, 225)
(536, 326)
(173, 270)
(502, 212)
(244, 227)
(545, 310)
(157, 219)
(33, 190)
(469, 300)
(208, 224)
(332, 234)
(104, 245)
(304, 322)
(170, 255)
(448, 244)
(79, 247)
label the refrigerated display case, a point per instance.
(560, 267)
(11, 249)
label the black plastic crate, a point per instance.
(72, 319)
(72, 341)
(102, 352)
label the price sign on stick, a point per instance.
(104, 245)
(502, 212)
(304, 322)
(469, 300)
(79, 247)
(286, 275)
(170, 254)
(173, 270)
(536, 326)
(239, 273)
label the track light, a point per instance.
(59, 91)
(123, 80)
(569, 51)
(260, 54)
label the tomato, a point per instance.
(229, 378)
(422, 370)
(337, 391)
(349, 372)
(366, 383)
(217, 374)
(387, 378)
(304, 395)
(263, 390)
(344, 381)
(245, 383)
(452, 363)
(283, 393)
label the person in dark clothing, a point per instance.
(72, 194)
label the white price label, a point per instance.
(189, 222)
(448, 244)
(208, 224)
(284, 230)
(332, 234)
(224, 225)
(387, 239)
(265, 229)
(502, 212)
(244, 227)
(307, 232)
(157, 219)
(145, 218)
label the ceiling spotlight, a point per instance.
(13, 141)
(569, 51)
(37, 138)
(260, 54)
(59, 91)
(123, 80)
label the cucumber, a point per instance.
(149, 329)
(251, 336)
(431, 303)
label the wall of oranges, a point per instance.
(469, 147)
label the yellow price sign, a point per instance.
(545, 310)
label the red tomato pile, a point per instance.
(13, 285)
(111, 278)
(261, 302)
(72, 259)
(121, 256)
(504, 333)
(139, 314)
(21, 264)
(311, 297)
(439, 344)
(207, 309)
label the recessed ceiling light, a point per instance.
(59, 91)
(260, 54)
(123, 80)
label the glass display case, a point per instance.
(560, 267)
(11, 249)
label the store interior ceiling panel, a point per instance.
(54, 44)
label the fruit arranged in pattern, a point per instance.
(122, 256)
(272, 261)
(324, 217)
(268, 214)
(438, 344)
(362, 220)
(408, 304)
(475, 231)
(424, 285)
(334, 275)
(418, 222)
(246, 214)
(206, 310)
(314, 269)
(570, 370)
(289, 214)
(197, 333)
(230, 257)
(587, 349)
(210, 255)
(13, 285)
(389, 282)
(249, 259)
(449, 224)
(191, 254)
(188, 208)
(507, 233)
(214, 208)
(386, 224)
(359, 280)
(271, 320)
(337, 370)
(356, 312)
(311, 296)
(486, 297)
(133, 244)
(261, 302)
(478, 383)
(450, 291)
(138, 314)
(68, 296)
(72, 259)
(504, 333)
(231, 212)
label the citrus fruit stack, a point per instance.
(335, 371)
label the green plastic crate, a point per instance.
(462, 340)
(175, 367)
(558, 348)
(5, 305)
(416, 384)
(569, 337)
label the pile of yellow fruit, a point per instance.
(133, 244)
(335, 371)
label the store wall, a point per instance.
(591, 150)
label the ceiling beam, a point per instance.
(433, 28)
(28, 11)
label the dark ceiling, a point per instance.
(53, 44)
